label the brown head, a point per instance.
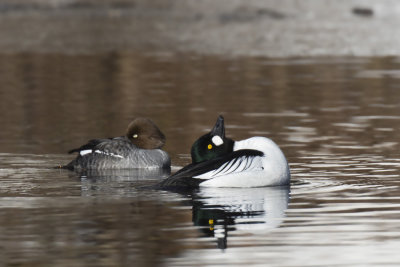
(143, 133)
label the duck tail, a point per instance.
(69, 166)
(64, 167)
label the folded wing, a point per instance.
(115, 147)
(193, 174)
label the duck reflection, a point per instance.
(126, 174)
(221, 210)
(118, 182)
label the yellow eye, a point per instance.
(209, 146)
(135, 136)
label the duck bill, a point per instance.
(219, 128)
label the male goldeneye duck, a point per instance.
(218, 161)
(139, 148)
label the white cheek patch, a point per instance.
(217, 140)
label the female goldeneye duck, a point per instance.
(218, 161)
(139, 148)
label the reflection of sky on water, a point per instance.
(221, 210)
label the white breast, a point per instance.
(271, 169)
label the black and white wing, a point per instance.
(88, 147)
(194, 174)
(114, 147)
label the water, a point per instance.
(336, 119)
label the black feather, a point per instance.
(184, 177)
(90, 145)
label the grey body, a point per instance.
(118, 153)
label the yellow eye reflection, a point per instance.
(211, 224)
(209, 146)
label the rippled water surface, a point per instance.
(336, 119)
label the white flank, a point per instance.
(84, 152)
(239, 165)
(251, 171)
(108, 154)
(217, 140)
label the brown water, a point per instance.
(336, 119)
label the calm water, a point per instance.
(336, 119)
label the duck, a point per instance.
(140, 147)
(218, 161)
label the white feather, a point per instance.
(84, 152)
(108, 154)
(242, 164)
(271, 169)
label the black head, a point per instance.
(213, 144)
(144, 134)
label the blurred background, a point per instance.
(267, 28)
(320, 78)
(71, 70)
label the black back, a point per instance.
(90, 145)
